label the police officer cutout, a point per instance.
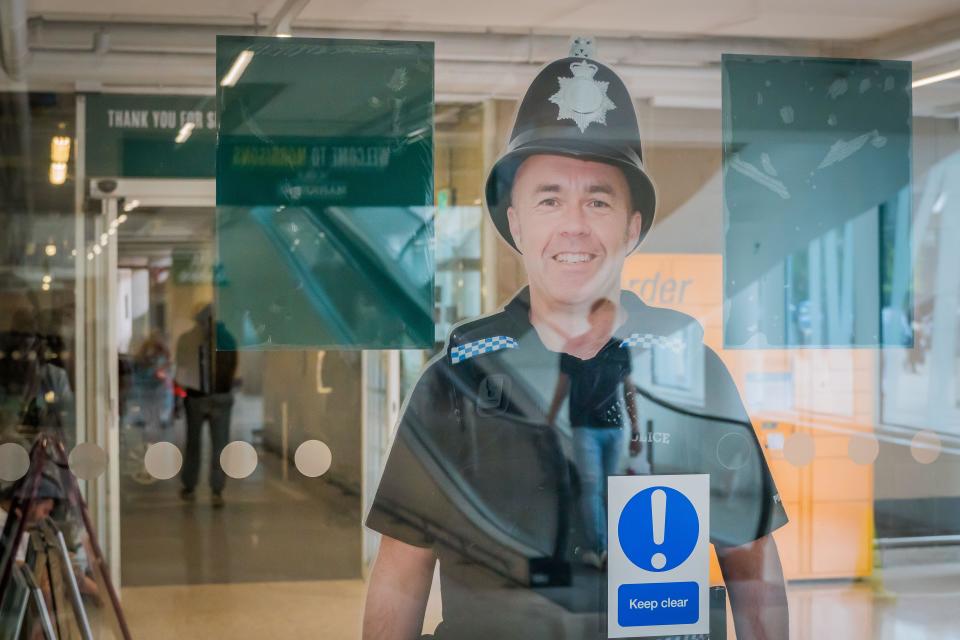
(485, 475)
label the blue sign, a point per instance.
(658, 529)
(644, 605)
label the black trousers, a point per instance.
(215, 409)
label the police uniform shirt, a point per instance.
(476, 473)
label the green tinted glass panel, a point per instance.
(816, 159)
(325, 192)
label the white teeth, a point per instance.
(571, 258)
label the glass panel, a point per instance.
(324, 193)
(816, 178)
(402, 371)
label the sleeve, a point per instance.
(744, 501)
(408, 505)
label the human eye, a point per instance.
(599, 203)
(549, 202)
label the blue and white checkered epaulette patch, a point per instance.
(468, 350)
(647, 340)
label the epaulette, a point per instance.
(474, 348)
(648, 340)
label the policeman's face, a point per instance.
(572, 222)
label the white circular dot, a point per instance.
(88, 461)
(658, 560)
(925, 447)
(863, 449)
(313, 458)
(14, 462)
(733, 450)
(238, 459)
(799, 449)
(163, 460)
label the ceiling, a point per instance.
(667, 51)
(810, 19)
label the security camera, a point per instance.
(107, 186)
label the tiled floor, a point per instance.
(327, 609)
(919, 602)
(282, 560)
(292, 529)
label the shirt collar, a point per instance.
(518, 309)
(518, 312)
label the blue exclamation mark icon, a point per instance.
(658, 509)
(658, 529)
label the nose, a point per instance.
(574, 221)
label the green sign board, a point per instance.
(325, 192)
(817, 202)
(150, 136)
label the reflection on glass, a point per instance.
(52, 579)
(146, 136)
(921, 383)
(325, 193)
(515, 494)
(817, 202)
(458, 266)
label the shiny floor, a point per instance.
(919, 602)
(275, 526)
(262, 567)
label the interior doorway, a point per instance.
(275, 524)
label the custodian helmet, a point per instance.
(580, 108)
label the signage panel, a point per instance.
(659, 554)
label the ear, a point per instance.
(514, 223)
(633, 229)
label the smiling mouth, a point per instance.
(574, 258)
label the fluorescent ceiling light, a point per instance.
(940, 77)
(941, 201)
(237, 69)
(185, 132)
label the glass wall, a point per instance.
(736, 418)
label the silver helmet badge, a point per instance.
(581, 98)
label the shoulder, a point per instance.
(648, 325)
(479, 336)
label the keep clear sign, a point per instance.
(658, 572)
